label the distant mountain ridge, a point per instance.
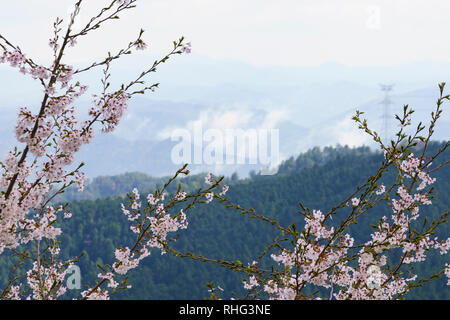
(311, 106)
(120, 185)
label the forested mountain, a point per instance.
(120, 185)
(320, 179)
(318, 156)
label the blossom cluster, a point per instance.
(320, 256)
(51, 136)
(110, 109)
(152, 222)
(47, 282)
(412, 169)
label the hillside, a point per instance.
(318, 180)
(120, 185)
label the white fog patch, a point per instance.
(347, 133)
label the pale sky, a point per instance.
(260, 32)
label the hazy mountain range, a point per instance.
(310, 106)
